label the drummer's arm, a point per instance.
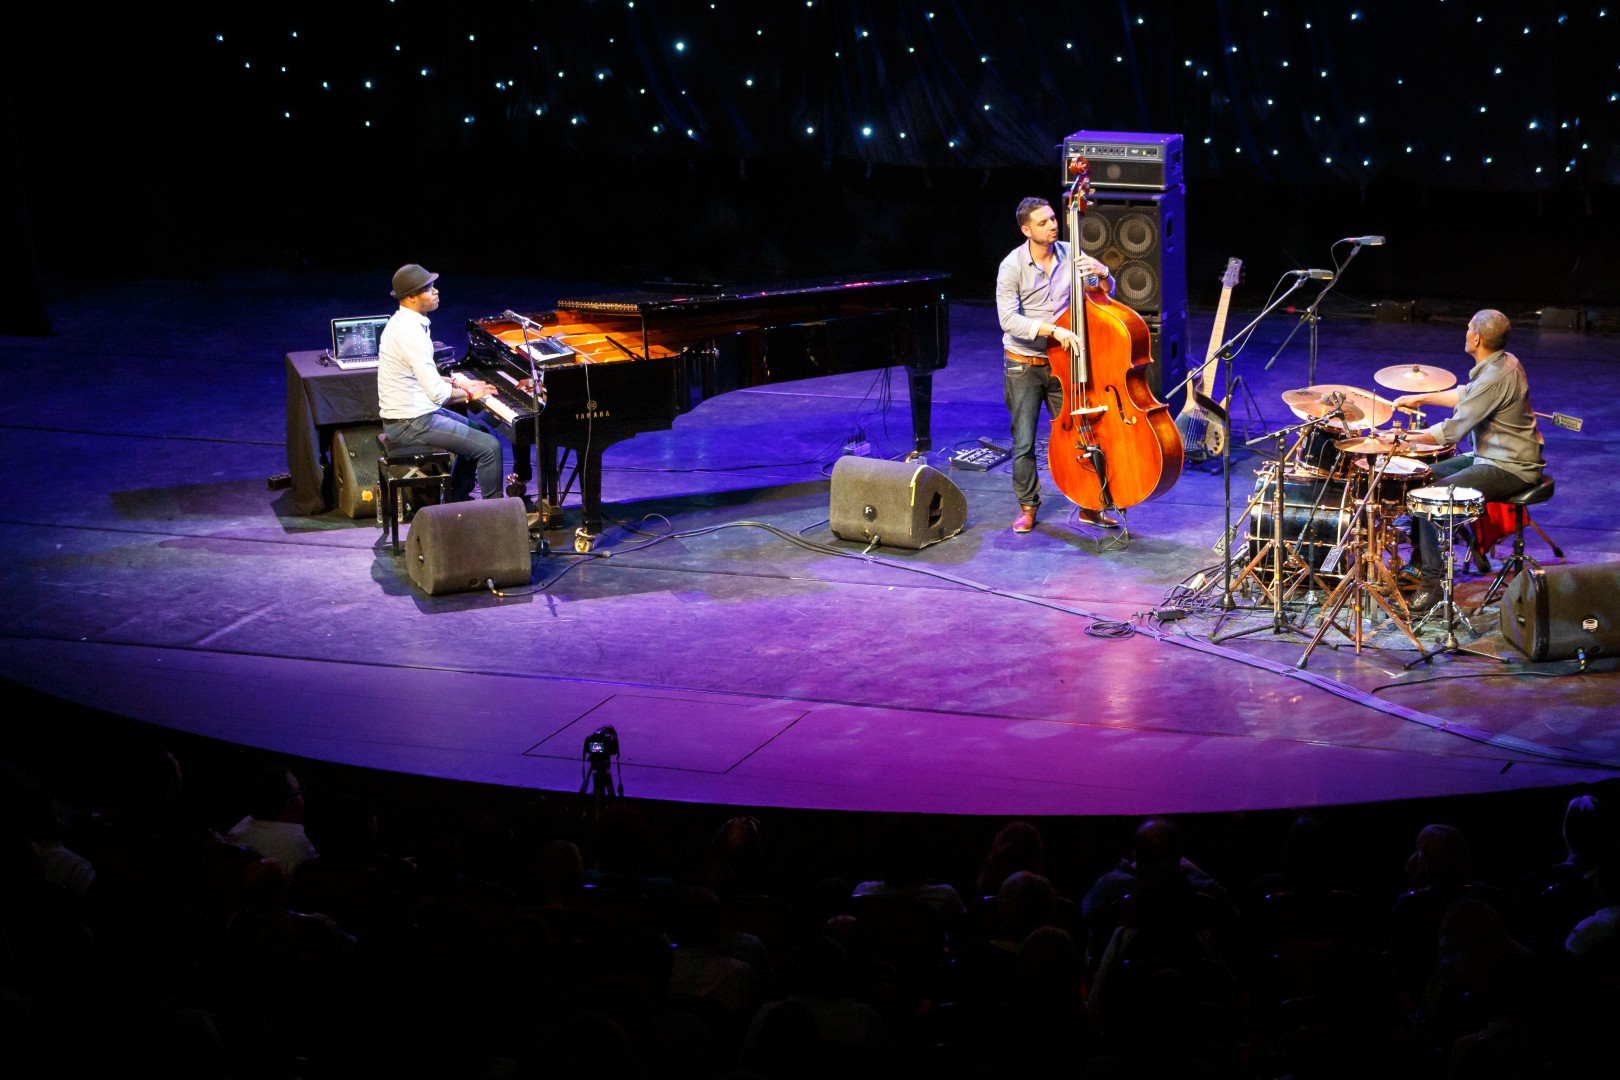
(1446, 399)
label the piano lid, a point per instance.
(652, 297)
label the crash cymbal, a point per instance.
(1375, 411)
(1415, 378)
(1310, 403)
(1368, 445)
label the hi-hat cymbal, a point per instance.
(1415, 378)
(1369, 445)
(1309, 404)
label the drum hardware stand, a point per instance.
(1356, 583)
(1228, 352)
(1448, 536)
(1276, 547)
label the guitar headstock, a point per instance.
(1233, 273)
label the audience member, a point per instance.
(1550, 900)
(1440, 871)
(1018, 846)
(274, 826)
(701, 968)
(905, 860)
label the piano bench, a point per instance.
(408, 468)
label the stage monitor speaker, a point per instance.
(897, 503)
(455, 547)
(1559, 612)
(354, 469)
(1139, 236)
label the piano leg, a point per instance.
(590, 497)
(922, 409)
(550, 473)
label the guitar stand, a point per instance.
(1251, 410)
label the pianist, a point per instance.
(411, 394)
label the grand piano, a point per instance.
(612, 366)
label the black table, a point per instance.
(320, 399)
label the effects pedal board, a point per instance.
(982, 458)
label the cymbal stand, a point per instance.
(1228, 353)
(1275, 548)
(1357, 584)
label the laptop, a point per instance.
(355, 340)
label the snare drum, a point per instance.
(1458, 505)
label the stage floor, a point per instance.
(154, 575)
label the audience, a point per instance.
(127, 928)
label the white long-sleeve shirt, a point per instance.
(408, 385)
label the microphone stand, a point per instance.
(537, 392)
(1227, 352)
(1309, 315)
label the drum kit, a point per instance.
(1325, 518)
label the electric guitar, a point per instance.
(1203, 422)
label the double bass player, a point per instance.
(1032, 287)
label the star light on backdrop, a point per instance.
(1427, 91)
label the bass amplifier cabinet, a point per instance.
(1139, 236)
(1560, 612)
(1125, 160)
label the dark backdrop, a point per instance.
(728, 140)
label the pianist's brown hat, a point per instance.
(409, 279)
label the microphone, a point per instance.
(1314, 275)
(514, 316)
(1364, 241)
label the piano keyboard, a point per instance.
(492, 401)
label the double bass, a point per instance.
(1113, 443)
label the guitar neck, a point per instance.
(1218, 333)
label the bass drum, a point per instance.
(1316, 515)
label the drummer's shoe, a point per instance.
(1025, 520)
(1427, 595)
(1099, 519)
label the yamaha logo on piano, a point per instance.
(592, 413)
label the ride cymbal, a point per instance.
(1415, 378)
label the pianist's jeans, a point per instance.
(1464, 472)
(474, 445)
(1026, 386)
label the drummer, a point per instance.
(1494, 407)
